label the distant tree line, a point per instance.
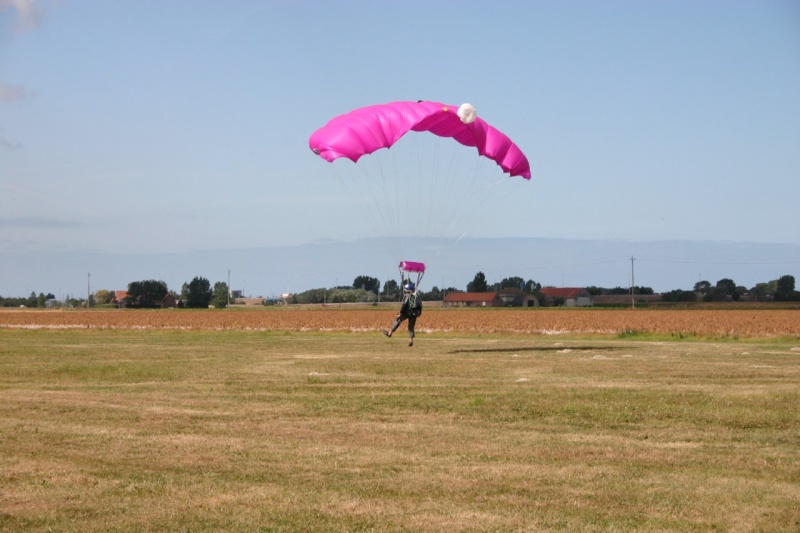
(479, 284)
(616, 291)
(34, 300)
(199, 293)
(365, 289)
(779, 290)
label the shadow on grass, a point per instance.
(535, 349)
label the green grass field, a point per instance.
(152, 430)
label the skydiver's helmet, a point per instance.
(409, 287)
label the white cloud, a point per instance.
(9, 93)
(28, 15)
(28, 18)
(5, 142)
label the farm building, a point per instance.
(573, 296)
(473, 299)
(121, 298)
(518, 298)
(169, 301)
(505, 297)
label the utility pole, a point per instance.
(633, 285)
(88, 290)
(229, 290)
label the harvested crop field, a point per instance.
(310, 420)
(699, 322)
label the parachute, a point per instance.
(424, 172)
(365, 130)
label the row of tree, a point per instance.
(367, 289)
(199, 293)
(479, 284)
(779, 290)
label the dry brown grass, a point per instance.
(203, 430)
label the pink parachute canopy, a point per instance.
(412, 266)
(367, 129)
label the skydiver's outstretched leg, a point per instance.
(397, 320)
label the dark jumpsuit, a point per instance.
(405, 314)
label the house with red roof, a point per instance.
(517, 298)
(121, 298)
(502, 298)
(472, 299)
(572, 296)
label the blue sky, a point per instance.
(156, 126)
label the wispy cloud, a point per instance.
(10, 93)
(6, 142)
(38, 222)
(28, 14)
(45, 197)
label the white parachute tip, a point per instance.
(467, 113)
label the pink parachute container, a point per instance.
(412, 266)
(409, 267)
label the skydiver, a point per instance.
(410, 309)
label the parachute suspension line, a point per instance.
(438, 168)
(461, 172)
(387, 195)
(424, 186)
(382, 195)
(398, 203)
(359, 186)
(444, 190)
(381, 187)
(442, 183)
(431, 190)
(468, 190)
(425, 174)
